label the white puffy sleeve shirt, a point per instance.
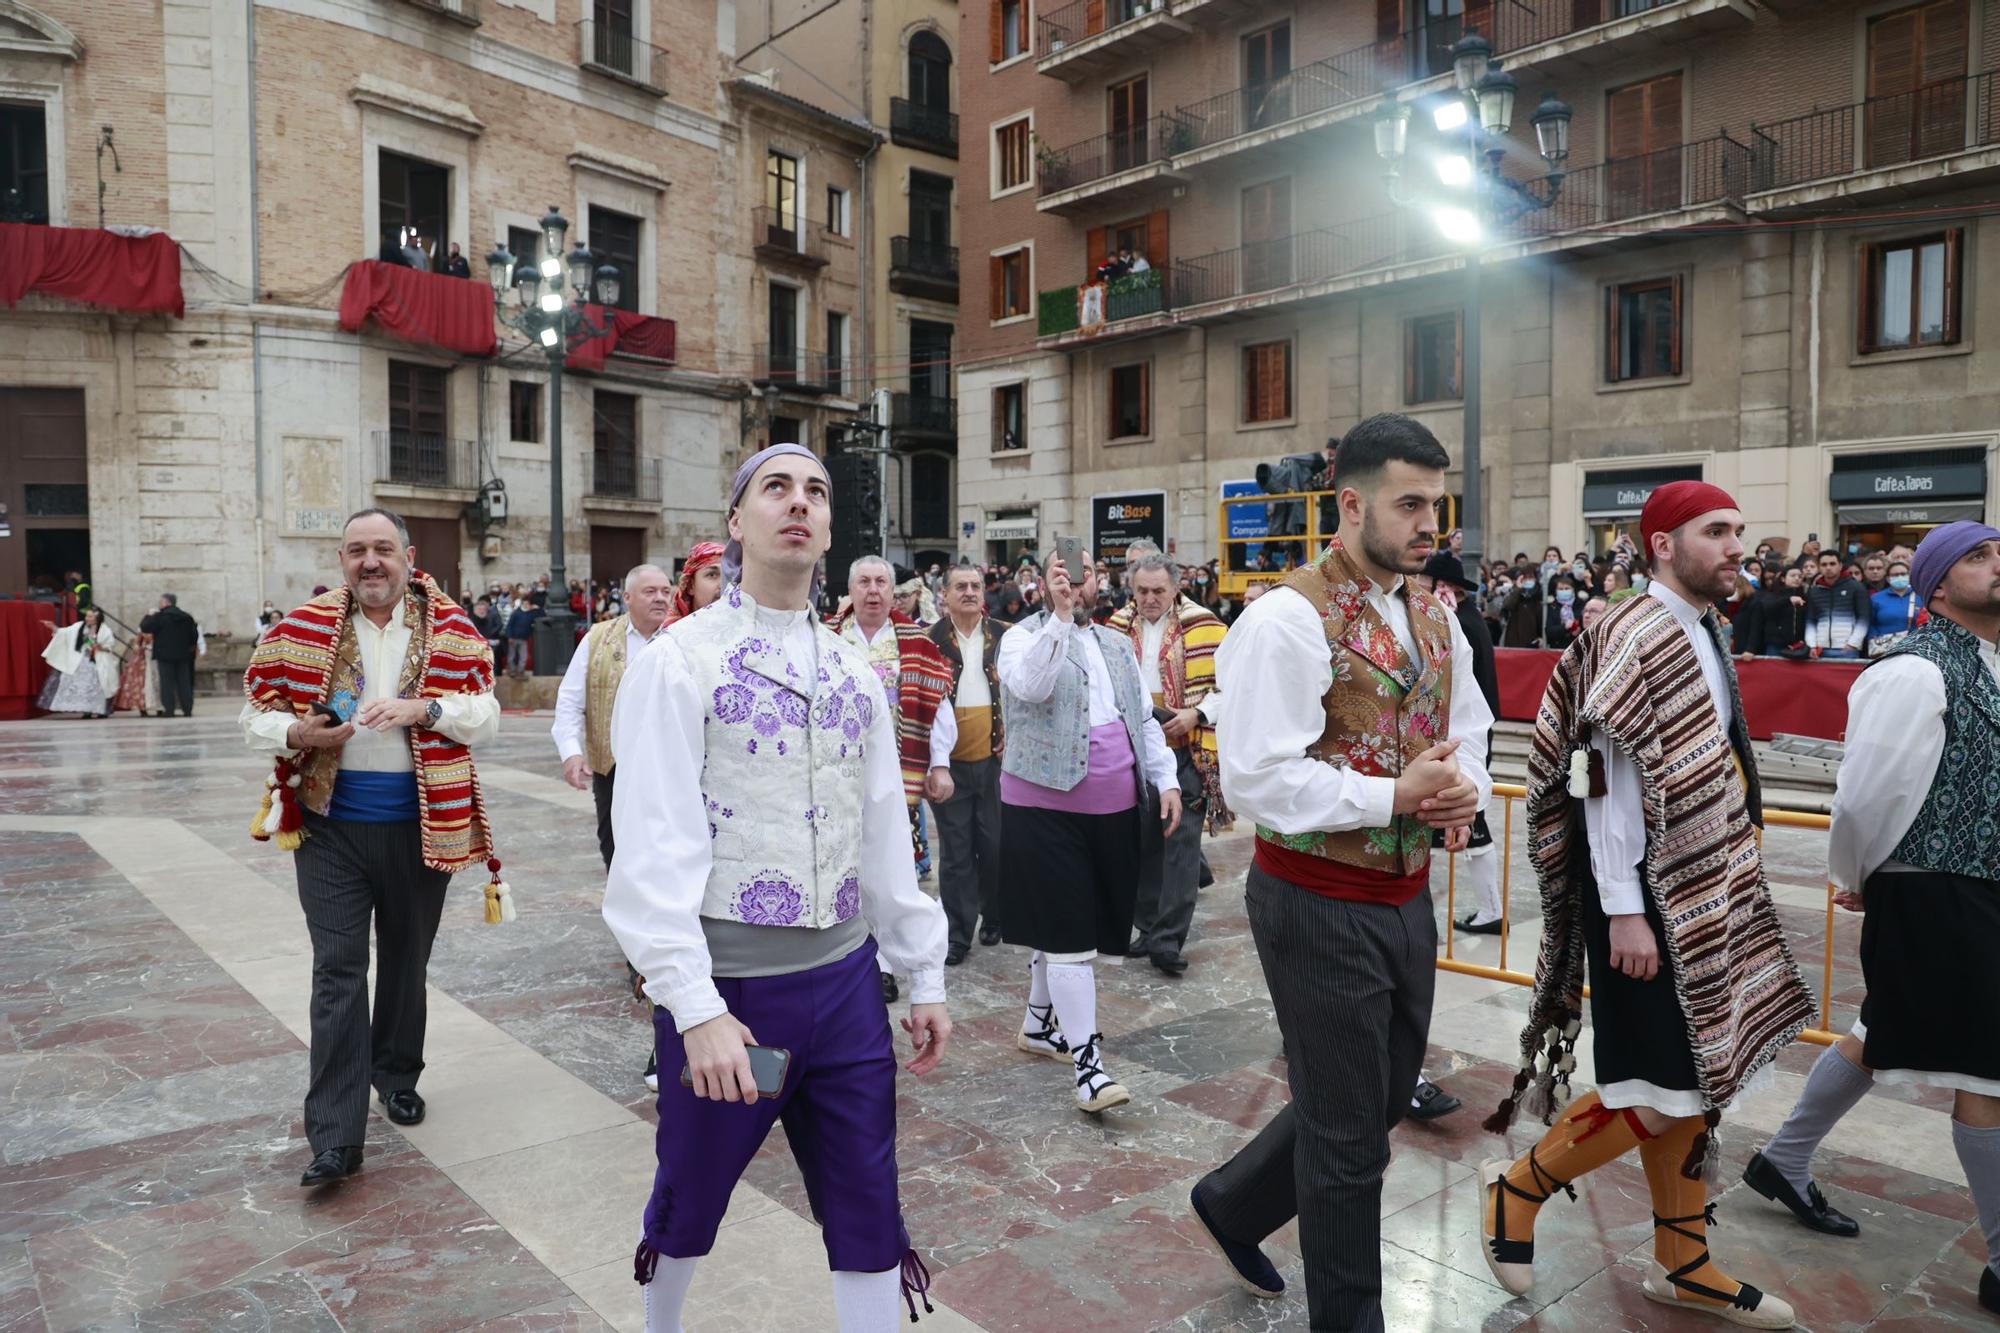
(1030, 660)
(652, 900)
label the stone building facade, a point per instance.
(1766, 265)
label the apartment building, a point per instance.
(283, 144)
(1763, 261)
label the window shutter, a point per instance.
(1625, 134)
(1953, 244)
(1253, 365)
(996, 32)
(1679, 332)
(1663, 131)
(1611, 374)
(1585, 13)
(1282, 391)
(996, 277)
(1098, 248)
(1146, 398)
(1093, 17)
(1388, 20)
(1865, 315)
(1458, 358)
(1479, 17)
(1156, 239)
(1409, 361)
(1892, 70)
(1940, 70)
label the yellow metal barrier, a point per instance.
(1508, 793)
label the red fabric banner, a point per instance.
(24, 631)
(624, 332)
(419, 307)
(1799, 698)
(141, 274)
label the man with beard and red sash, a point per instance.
(1643, 813)
(1346, 693)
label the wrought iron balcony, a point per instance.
(1086, 37)
(923, 268)
(1938, 120)
(620, 474)
(606, 49)
(463, 11)
(1708, 171)
(785, 236)
(1090, 305)
(923, 414)
(799, 371)
(1149, 144)
(915, 125)
(1304, 258)
(417, 458)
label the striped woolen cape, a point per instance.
(1187, 675)
(312, 650)
(923, 683)
(1636, 679)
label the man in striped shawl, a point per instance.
(1643, 812)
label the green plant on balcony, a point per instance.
(1056, 312)
(1134, 294)
(1050, 163)
(1178, 138)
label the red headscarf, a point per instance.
(1675, 503)
(701, 557)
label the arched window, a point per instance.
(930, 71)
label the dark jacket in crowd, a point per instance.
(1838, 609)
(1554, 633)
(488, 622)
(1481, 640)
(521, 624)
(1768, 623)
(175, 635)
(1521, 615)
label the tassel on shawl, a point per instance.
(1704, 1159)
(499, 899)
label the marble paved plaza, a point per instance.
(153, 988)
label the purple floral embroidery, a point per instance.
(734, 703)
(847, 899)
(769, 899)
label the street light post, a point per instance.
(554, 320)
(1484, 106)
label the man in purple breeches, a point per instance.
(763, 857)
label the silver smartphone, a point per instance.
(1069, 550)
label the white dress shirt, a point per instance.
(653, 899)
(1030, 660)
(1152, 638)
(469, 719)
(944, 725)
(1272, 672)
(1895, 738)
(973, 691)
(574, 694)
(1616, 821)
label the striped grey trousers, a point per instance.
(352, 875)
(1352, 984)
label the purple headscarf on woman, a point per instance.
(732, 552)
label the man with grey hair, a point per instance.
(176, 643)
(582, 729)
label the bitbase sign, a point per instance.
(1123, 517)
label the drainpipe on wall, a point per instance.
(256, 296)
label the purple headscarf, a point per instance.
(1941, 548)
(732, 552)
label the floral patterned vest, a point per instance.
(1382, 710)
(783, 775)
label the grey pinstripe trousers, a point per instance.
(1352, 984)
(349, 874)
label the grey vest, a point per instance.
(1048, 742)
(1953, 833)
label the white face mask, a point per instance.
(1640, 583)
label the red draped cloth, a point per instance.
(1799, 698)
(419, 307)
(24, 631)
(137, 273)
(624, 332)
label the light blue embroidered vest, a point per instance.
(1958, 830)
(782, 779)
(1048, 741)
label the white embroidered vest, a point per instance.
(783, 776)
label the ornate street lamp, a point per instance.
(549, 312)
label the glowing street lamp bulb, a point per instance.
(548, 337)
(1457, 225)
(551, 267)
(1449, 116)
(552, 302)
(1454, 170)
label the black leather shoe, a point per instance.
(1258, 1275)
(1432, 1102)
(955, 954)
(404, 1106)
(1493, 927)
(989, 936)
(1170, 963)
(331, 1165)
(1137, 948)
(1813, 1211)
(890, 993)
(1989, 1289)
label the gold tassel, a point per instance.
(499, 903)
(291, 840)
(263, 811)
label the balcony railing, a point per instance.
(1131, 297)
(918, 126)
(615, 51)
(1515, 26)
(1708, 171)
(787, 237)
(621, 474)
(1933, 121)
(923, 414)
(1072, 23)
(465, 11)
(805, 372)
(926, 258)
(1153, 140)
(416, 458)
(1305, 91)
(1304, 258)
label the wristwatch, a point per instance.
(432, 712)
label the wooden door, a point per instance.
(1267, 87)
(1916, 83)
(615, 552)
(1267, 235)
(1127, 115)
(44, 484)
(437, 542)
(1643, 143)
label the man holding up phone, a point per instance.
(762, 857)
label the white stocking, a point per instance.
(1073, 988)
(867, 1302)
(1482, 875)
(666, 1292)
(1038, 979)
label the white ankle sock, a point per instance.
(1979, 1154)
(1038, 979)
(867, 1302)
(1073, 988)
(1482, 873)
(666, 1292)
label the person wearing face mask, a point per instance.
(1521, 610)
(1894, 611)
(1561, 617)
(1772, 622)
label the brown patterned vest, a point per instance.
(1382, 710)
